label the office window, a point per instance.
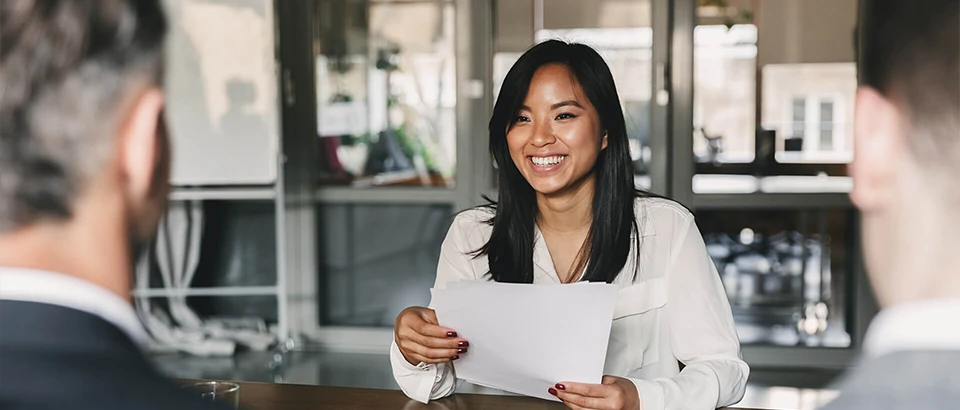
(810, 108)
(815, 131)
(798, 126)
(826, 125)
(799, 118)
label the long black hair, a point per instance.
(510, 247)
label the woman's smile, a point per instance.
(547, 164)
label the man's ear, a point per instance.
(140, 142)
(879, 146)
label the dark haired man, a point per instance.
(907, 161)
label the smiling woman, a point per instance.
(567, 211)
(553, 127)
(559, 130)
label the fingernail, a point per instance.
(451, 334)
(461, 350)
(552, 391)
(455, 357)
(561, 387)
(463, 343)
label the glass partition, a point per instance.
(386, 93)
(787, 273)
(377, 260)
(774, 85)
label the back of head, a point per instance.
(67, 68)
(907, 147)
(910, 53)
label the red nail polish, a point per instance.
(451, 334)
(552, 391)
(455, 357)
(463, 343)
(461, 350)
(561, 387)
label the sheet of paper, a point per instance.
(526, 338)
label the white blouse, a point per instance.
(675, 310)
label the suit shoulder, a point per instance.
(901, 380)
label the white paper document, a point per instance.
(526, 338)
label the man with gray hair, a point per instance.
(905, 171)
(83, 180)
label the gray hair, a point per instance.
(65, 68)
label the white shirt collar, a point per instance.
(543, 260)
(28, 285)
(922, 325)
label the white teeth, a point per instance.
(548, 161)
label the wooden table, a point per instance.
(269, 396)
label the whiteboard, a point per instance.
(221, 85)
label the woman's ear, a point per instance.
(603, 142)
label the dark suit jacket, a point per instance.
(53, 357)
(902, 380)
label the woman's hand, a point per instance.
(421, 339)
(615, 393)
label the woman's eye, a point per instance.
(565, 116)
(521, 118)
